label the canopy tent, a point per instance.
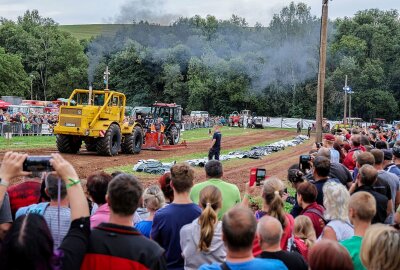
(4, 105)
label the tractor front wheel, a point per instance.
(110, 144)
(68, 143)
(133, 142)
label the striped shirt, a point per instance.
(51, 217)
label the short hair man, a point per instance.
(388, 164)
(365, 180)
(337, 170)
(118, 244)
(238, 231)
(322, 166)
(49, 210)
(215, 147)
(269, 234)
(230, 192)
(356, 148)
(169, 220)
(391, 179)
(362, 209)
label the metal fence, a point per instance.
(25, 129)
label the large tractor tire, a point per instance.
(173, 135)
(91, 145)
(68, 144)
(133, 142)
(110, 144)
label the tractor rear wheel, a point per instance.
(110, 144)
(133, 142)
(173, 135)
(68, 143)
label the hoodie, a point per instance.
(189, 240)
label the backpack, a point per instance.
(318, 213)
(32, 209)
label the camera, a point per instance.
(257, 175)
(37, 164)
(304, 162)
(318, 144)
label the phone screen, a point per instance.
(261, 173)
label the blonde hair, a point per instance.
(153, 198)
(304, 229)
(380, 247)
(272, 194)
(336, 201)
(210, 199)
(364, 205)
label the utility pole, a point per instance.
(345, 102)
(321, 73)
(32, 77)
(106, 74)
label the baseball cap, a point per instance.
(329, 137)
(396, 151)
(387, 154)
(348, 136)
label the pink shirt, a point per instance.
(101, 215)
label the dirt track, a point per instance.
(236, 171)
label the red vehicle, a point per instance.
(234, 119)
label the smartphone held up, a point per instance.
(257, 176)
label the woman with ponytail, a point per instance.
(201, 240)
(273, 205)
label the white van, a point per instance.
(199, 114)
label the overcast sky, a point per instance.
(162, 11)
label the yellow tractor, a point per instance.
(97, 117)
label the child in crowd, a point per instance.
(304, 235)
(153, 199)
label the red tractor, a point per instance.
(234, 119)
(168, 136)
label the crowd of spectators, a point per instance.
(193, 122)
(346, 215)
(25, 124)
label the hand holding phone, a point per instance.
(257, 175)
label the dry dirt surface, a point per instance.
(276, 163)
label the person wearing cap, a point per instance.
(328, 142)
(388, 164)
(396, 155)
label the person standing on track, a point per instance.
(215, 148)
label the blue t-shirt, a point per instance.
(217, 136)
(256, 263)
(144, 227)
(167, 224)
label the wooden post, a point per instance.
(345, 102)
(321, 73)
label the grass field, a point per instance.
(88, 31)
(27, 142)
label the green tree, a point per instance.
(13, 78)
(55, 56)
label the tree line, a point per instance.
(216, 65)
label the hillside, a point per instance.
(86, 31)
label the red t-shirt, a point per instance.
(287, 234)
(350, 160)
(23, 194)
(316, 219)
